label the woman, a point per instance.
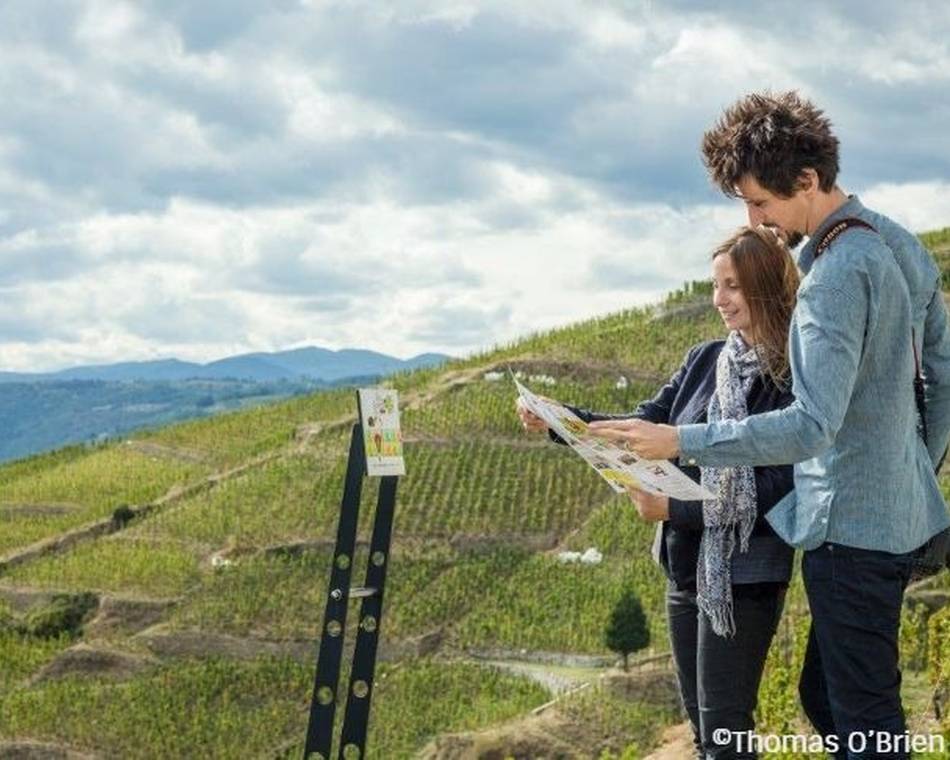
(727, 569)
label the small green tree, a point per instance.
(627, 631)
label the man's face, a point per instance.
(787, 216)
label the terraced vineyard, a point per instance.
(160, 597)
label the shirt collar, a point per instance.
(851, 207)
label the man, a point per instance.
(866, 494)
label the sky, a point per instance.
(201, 179)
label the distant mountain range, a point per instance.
(42, 411)
(308, 363)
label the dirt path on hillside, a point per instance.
(555, 680)
(677, 744)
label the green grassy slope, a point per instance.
(239, 542)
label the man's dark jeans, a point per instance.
(851, 678)
(718, 676)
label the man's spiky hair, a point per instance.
(773, 138)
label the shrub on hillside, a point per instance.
(64, 613)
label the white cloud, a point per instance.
(407, 177)
(919, 206)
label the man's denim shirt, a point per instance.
(863, 476)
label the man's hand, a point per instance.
(646, 439)
(529, 421)
(651, 507)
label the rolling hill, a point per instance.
(161, 596)
(309, 362)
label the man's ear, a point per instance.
(808, 181)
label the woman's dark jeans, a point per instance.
(719, 676)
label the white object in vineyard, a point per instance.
(592, 557)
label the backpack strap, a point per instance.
(919, 388)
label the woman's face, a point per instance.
(728, 297)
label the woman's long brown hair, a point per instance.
(769, 280)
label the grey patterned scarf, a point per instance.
(732, 514)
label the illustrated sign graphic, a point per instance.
(382, 437)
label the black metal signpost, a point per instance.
(323, 703)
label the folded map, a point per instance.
(621, 468)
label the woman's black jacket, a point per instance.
(682, 401)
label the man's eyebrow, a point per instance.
(739, 195)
